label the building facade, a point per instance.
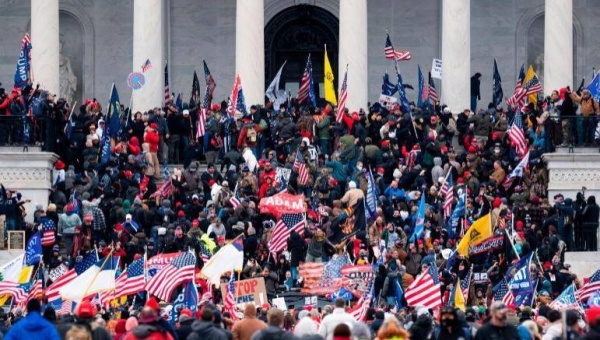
(80, 47)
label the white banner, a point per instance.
(387, 101)
(436, 69)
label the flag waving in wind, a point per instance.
(343, 98)
(179, 271)
(234, 96)
(23, 70)
(420, 221)
(114, 107)
(210, 86)
(329, 87)
(307, 89)
(518, 98)
(498, 93)
(391, 54)
(98, 278)
(195, 95)
(516, 135)
(423, 98)
(273, 92)
(517, 172)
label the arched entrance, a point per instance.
(294, 33)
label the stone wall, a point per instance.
(206, 30)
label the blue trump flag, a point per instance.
(423, 97)
(387, 87)
(33, 253)
(371, 203)
(401, 91)
(594, 87)
(179, 103)
(452, 222)
(23, 70)
(114, 121)
(420, 221)
(521, 284)
(398, 294)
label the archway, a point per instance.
(294, 33)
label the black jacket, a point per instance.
(202, 330)
(296, 246)
(591, 212)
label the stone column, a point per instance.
(558, 45)
(45, 44)
(354, 53)
(250, 49)
(148, 43)
(456, 54)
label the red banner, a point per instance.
(282, 204)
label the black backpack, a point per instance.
(323, 185)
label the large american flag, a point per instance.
(343, 98)
(230, 297)
(306, 91)
(518, 98)
(53, 291)
(165, 189)
(392, 54)
(433, 95)
(322, 278)
(300, 165)
(447, 192)
(201, 123)
(13, 289)
(235, 198)
(48, 230)
(36, 290)
(210, 86)
(179, 271)
(65, 308)
(132, 280)
(589, 288)
(283, 228)
(425, 290)
(516, 135)
(504, 294)
(359, 311)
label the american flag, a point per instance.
(301, 167)
(210, 86)
(235, 198)
(48, 230)
(205, 252)
(13, 289)
(201, 124)
(233, 99)
(65, 308)
(35, 290)
(179, 271)
(425, 290)
(359, 311)
(517, 172)
(147, 65)
(447, 192)
(412, 158)
(464, 284)
(518, 98)
(53, 291)
(165, 189)
(516, 135)
(207, 296)
(167, 96)
(533, 85)
(322, 278)
(306, 90)
(433, 95)
(230, 296)
(132, 280)
(504, 294)
(283, 228)
(343, 98)
(26, 41)
(392, 54)
(589, 288)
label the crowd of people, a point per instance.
(128, 204)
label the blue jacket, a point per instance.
(33, 326)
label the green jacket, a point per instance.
(338, 170)
(323, 131)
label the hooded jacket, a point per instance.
(203, 330)
(34, 326)
(244, 329)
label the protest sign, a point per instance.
(282, 204)
(57, 272)
(251, 290)
(436, 69)
(489, 245)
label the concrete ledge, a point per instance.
(583, 263)
(569, 172)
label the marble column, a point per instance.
(558, 45)
(354, 53)
(456, 54)
(250, 49)
(148, 43)
(45, 45)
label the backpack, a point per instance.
(323, 185)
(250, 134)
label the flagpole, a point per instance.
(98, 273)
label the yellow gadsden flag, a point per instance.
(459, 298)
(329, 88)
(532, 82)
(479, 231)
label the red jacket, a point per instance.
(241, 142)
(4, 107)
(152, 138)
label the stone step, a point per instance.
(583, 263)
(20, 149)
(593, 150)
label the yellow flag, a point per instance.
(479, 231)
(459, 298)
(4, 298)
(25, 275)
(329, 88)
(529, 77)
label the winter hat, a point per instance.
(131, 323)
(56, 248)
(86, 310)
(60, 165)
(593, 314)
(195, 223)
(152, 303)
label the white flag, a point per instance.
(272, 91)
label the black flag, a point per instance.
(195, 96)
(498, 94)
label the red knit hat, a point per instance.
(60, 165)
(593, 314)
(152, 303)
(86, 310)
